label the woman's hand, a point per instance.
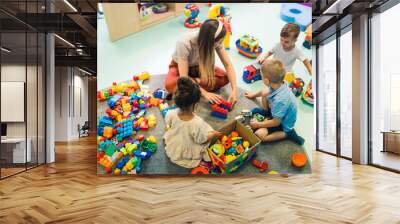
(232, 98)
(212, 97)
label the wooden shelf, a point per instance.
(156, 19)
(123, 19)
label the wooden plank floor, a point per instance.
(69, 191)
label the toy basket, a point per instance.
(241, 159)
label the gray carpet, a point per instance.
(277, 154)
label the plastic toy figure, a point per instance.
(192, 13)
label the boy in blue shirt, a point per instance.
(278, 102)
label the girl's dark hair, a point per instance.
(206, 42)
(187, 93)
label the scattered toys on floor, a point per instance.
(308, 96)
(261, 165)
(299, 159)
(220, 110)
(121, 150)
(296, 86)
(200, 170)
(231, 151)
(164, 108)
(297, 13)
(192, 13)
(308, 38)
(294, 83)
(259, 117)
(248, 46)
(251, 73)
(221, 12)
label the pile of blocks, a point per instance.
(221, 110)
(121, 149)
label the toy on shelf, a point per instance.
(261, 165)
(248, 46)
(220, 110)
(192, 13)
(233, 149)
(299, 159)
(297, 13)
(251, 73)
(221, 13)
(144, 12)
(308, 96)
(308, 38)
(160, 8)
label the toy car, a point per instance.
(251, 73)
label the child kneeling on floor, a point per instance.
(278, 102)
(187, 135)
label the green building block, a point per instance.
(149, 146)
(110, 149)
(259, 117)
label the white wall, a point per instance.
(70, 83)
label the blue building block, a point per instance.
(124, 129)
(138, 165)
(133, 97)
(218, 115)
(297, 13)
(105, 121)
(113, 100)
(160, 94)
(142, 155)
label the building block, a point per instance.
(148, 146)
(113, 100)
(143, 76)
(124, 129)
(151, 121)
(221, 110)
(160, 94)
(261, 165)
(142, 154)
(110, 149)
(108, 132)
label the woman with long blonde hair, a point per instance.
(194, 57)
